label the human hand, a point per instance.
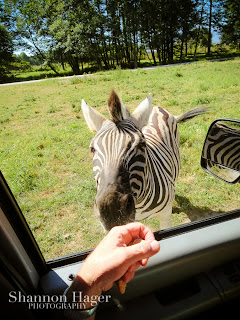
(113, 259)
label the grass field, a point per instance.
(44, 146)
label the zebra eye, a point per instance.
(92, 149)
(142, 145)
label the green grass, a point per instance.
(44, 146)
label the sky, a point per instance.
(215, 37)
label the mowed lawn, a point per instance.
(44, 144)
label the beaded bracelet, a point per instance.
(77, 314)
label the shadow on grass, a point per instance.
(194, 213)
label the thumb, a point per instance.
(142, 251)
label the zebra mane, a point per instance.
(116, 108)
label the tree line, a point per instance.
(112, 33)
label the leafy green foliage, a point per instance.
(6, 50)
(110, 34)
(231, 27)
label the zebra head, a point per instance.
(118, 158)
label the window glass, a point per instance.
(45, 156)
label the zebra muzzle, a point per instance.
(115, 208)
(129, 203)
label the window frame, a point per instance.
(26, 237)
(20, 226)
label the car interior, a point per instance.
(196, 272)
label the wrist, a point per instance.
(80, 310)
(83, 293)
(89, 280)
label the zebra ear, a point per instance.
(93, 118)
(116, 108)
(141, 115)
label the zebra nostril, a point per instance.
(130, 206)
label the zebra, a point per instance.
(136, 161)
(221, 150)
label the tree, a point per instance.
(106, 33)
(33, 60)
(230, 27)
(27, 23)
(187, 21)
(213, 17)
(210, 27)
(6, 51)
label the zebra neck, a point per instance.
(147, 179)
(157, 187)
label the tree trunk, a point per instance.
(182, 41)
(159, 55)
(163, 52)
(74, 64)
(198, 33)
(210, 28)
(135, 50)
(153, 56)
(127, 54)
(62, 61)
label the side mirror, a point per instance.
(221, 150)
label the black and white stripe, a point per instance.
(162, 165)
(117, 146)
(222, 146)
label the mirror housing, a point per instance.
(221, 150)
